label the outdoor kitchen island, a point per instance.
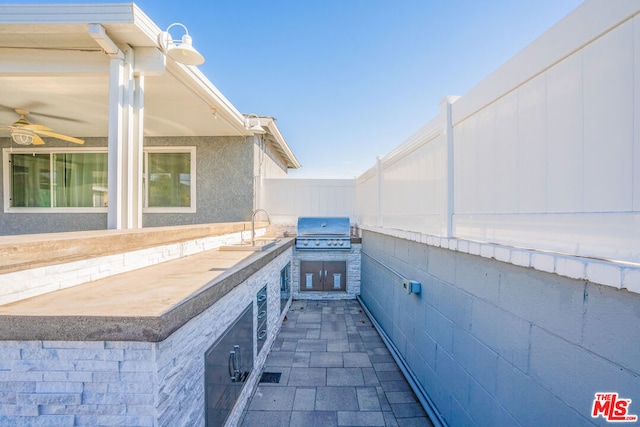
(130, 349)
(326, 259)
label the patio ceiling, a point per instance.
(58, 71)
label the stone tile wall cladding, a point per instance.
(52, 383)
(353, 272)
(494, 343)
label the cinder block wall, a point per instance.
(494, 343)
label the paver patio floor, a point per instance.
(334, 371)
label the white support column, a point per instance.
(115, 156)
(128, 134)
(126, 94)
(125, 137)
(136, 145)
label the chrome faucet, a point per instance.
(253, 224)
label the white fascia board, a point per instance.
(586, 23)
(66, 13)
(292, 162)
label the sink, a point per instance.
(261, 245)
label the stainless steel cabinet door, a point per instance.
(323, 276)
(227, 365)
(311, 275)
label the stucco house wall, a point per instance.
(228, 180)
(224, 181)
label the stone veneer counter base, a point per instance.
(142, 305)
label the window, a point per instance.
(72, 180)
(170, 179)
(62, 180)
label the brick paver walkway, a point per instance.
(335, 371)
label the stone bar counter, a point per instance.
(127, 348)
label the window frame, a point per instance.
(191, 150)
(7, 179)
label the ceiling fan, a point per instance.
(25, 133)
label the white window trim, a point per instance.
(145, 194)
(6, 178)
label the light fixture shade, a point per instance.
(22, 136)
(185, 53)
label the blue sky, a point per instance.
(348, 80)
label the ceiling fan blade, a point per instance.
(33, 108)
(36, 127)
(52, 116)
(6, 108)
(37, 140)
(60, 136)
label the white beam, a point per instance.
(150, 61)
(98, 33)
(46, 62)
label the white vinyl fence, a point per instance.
(542, 154)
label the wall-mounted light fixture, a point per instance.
(181, 51)
(256, 127)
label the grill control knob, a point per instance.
(341, 242)
(317, 242)
(305, 242)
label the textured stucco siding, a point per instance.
(224, 183)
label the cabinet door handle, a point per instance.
(231, 363)
(237, 361)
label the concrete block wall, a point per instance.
(61, 383)
(495, 343)
(353, 272)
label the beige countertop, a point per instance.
(23, 252)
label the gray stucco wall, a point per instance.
(224, 181)
(224, 189)
(497, 344)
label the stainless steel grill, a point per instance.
(323, 233)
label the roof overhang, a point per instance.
(53, 63)
(275, 139)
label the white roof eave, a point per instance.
(282, 146)
(125, 24)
